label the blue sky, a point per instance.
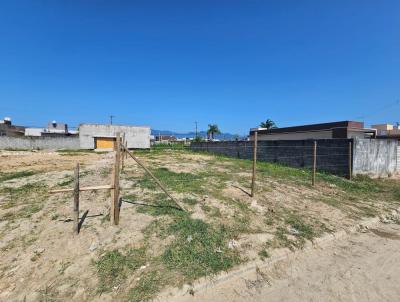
(167, 64)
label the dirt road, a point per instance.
(363, 267)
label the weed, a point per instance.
(190, 201)
(199, 249)
(73, 152)
(263, 254)
(4, 176)
(282, 240)
(54, 216)
(113, 267)
(215, 213)
(147, 287)
(63, 267)
(178, 182)
(67, 181)
(304, 230)
(105, 218)
(104, 172)
(160, 205)
(206, 208)
(30, 196)
(48, 293)
(168, 146)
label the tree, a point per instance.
(198, 139)
(269, 124)
(213, 129)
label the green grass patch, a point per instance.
(66, 181)
(31, 196)
(159, 204)
(171, 146)
(263, 254)
(177, 182)
(147, 287)
(36, 187)
(114, 267)
(305, 230)
(199, 249)
(190, 201)
(294, 233)
(4, 176)
(396, 193)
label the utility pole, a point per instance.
(111, 118)
(196, 130)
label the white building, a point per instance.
(102, 137)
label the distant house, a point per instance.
(103, 137)
(53, 129)
(34, 132)
(8, 129)
(165, 138)
(343, 129)
(387, 131)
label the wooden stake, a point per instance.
(314, 163)
(350, 160)
(126, 149)
(253, 179)
(123, 152)
(76, 200)
(155, 179)
(115, 183)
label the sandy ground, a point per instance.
(362, 267)
(42, 260)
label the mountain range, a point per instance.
(222, 136)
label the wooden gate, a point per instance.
(105, 143)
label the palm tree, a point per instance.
(269, 124)
(213, 129)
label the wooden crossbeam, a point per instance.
(105, 187)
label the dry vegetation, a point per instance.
(156, 245)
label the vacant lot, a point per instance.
(157, 246)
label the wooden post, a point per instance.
(115, 182)
(126, 149)
(314, 163)
(76, 200)
(253, 179)
(123, 152)
(350, 160)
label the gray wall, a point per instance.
(375, 157)
(7, 142)
(137, 137)
(332, 154)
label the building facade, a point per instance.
(8, 129)
(343, 129)
(103, 137)
(387, 131)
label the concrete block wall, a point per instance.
(375, 157)
(398, 158)
(137, 137)
(332, 154)
(55, 143)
